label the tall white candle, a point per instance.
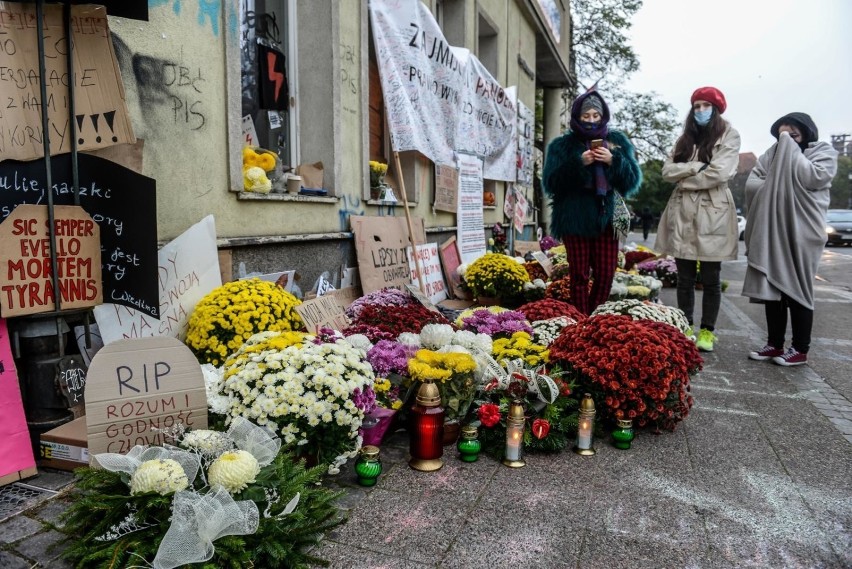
(513, 443)
(584, 434)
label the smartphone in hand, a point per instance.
(596, 143)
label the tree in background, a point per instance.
(603, 55)
(655, 192)
(841, 186)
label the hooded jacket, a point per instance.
(700, 219)
(570, 184)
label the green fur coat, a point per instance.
(569, 184)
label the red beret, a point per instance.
(711, 95)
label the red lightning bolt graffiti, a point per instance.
(275, 76)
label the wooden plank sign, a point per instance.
(137, 386)
(25, 263)
(322, 312)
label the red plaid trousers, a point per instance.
(591, 257)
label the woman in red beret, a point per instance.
(699, 223)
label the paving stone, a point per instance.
(42, 547)
(17, 528)
(342, 556)
(11, 561)
(51, 479)
(51, 511)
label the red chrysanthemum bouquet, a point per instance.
(632, 258)
(384, 323)
(634, 368)
(548, 308)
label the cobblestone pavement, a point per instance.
(757, 476)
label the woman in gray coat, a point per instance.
(787, 196)
(699, 223)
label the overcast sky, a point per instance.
(769, 58)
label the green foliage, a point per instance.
(599, 39)
(102, 502)
(654, 193)
(841, 186)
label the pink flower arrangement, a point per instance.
(508, 322)
(390, 357)
(383, 297)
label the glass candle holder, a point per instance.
(623, 434)
(368, 467)
(469, 445)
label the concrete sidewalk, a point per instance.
(758, 475)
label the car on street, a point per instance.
(741, 223)
(838, 227)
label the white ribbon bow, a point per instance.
(532, 378)
(258, 441)
(128, 463)
(200, 519)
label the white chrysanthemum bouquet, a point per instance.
(314, 394)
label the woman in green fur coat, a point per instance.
(583, 169)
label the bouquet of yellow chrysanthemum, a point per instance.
(519, 346)
(454, 375)
(234, 312)
(497, 275)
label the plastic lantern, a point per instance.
(426, 423)
(515, 436)
(585, 427)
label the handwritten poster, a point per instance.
(521, 207)
(526, 143)
(421, 78)
(136, 388)
(433, 278)
(100, 113)
(381, 244)
(451, 259)
(323, 311)
(27, 268)
(15, 445)
(188, 269)
(446, 188)
(470, 233)
(122, 202)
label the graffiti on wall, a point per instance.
(171, 93)
(207, 13)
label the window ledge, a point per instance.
(282, 197)
(396, 203)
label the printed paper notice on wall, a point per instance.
(249, 133)
(100, 116)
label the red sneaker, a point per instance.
(767, 352)
(791, 357)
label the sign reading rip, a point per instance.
(136, 388)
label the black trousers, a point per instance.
(801, 321)
(711, 284)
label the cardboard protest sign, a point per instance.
(346, 296)
(446, 188)
(26, 265)
(524, 247)
(136, 387)
(381, 244)
(433, 278)
(451, 259)
(188, 269)
(122, 202)
(99, 115)
(16, 448)
(322, 312)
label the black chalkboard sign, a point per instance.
(122, 202)
(71, 377)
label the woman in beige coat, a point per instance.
(699, 223)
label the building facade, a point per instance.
(191, 73)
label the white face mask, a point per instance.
(703, 117)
